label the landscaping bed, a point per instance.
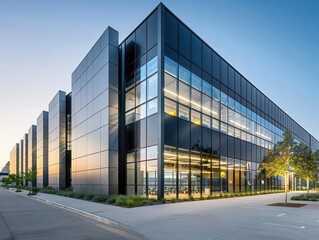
(306, 197)
(136, 201)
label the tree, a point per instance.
(29, 177)
(279, 160)
(6, 182)
(17, 180)
(306, 163)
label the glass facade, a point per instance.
(42, 149)
(216, 127)
(140, 81)
(32, 152)
(216, 132)
(95, 118)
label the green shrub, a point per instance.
(111, 200)
(173, 200)
(69, 194)
(163, 200)
(132, 203)
(78, 195)
(129, 201)
(48, 191)
(66, 194)
(121, 201)
(52, 191)
(306, 197)
(69, 189)
(59, 193)
(135, 201)
(145, 202)
(100, 198)
(191, 198)
(88, 196)
(34, 190)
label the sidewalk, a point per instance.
(208, 219)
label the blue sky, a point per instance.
(272, 43)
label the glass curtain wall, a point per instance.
(215, 138)
(140, 59)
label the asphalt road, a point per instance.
(25, 218)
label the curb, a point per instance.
(94, 217)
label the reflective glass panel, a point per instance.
(130, 99)
(141, 93)
(196, 82)
(170, 107)
(170, 89)
(184, 75)
(152, 152)
(152, 107)
(196, 99)
(141, 112)
(152, 66)
(152, 87)
(141, 73)
(184, 93)
(183, 112)
(171, 66)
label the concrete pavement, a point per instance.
(223, 219)
(22, 217)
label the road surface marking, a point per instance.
(281, 215)
(281, 225)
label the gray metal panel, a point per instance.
(57, 141)
(32, 152)
(42, 149)
(93, 135)
(14, 159)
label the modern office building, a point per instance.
(32, 153)
(59, 156)
(162, 114)
(42, 149)
(193, 124)
(14, 160)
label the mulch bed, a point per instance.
(294, 205)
